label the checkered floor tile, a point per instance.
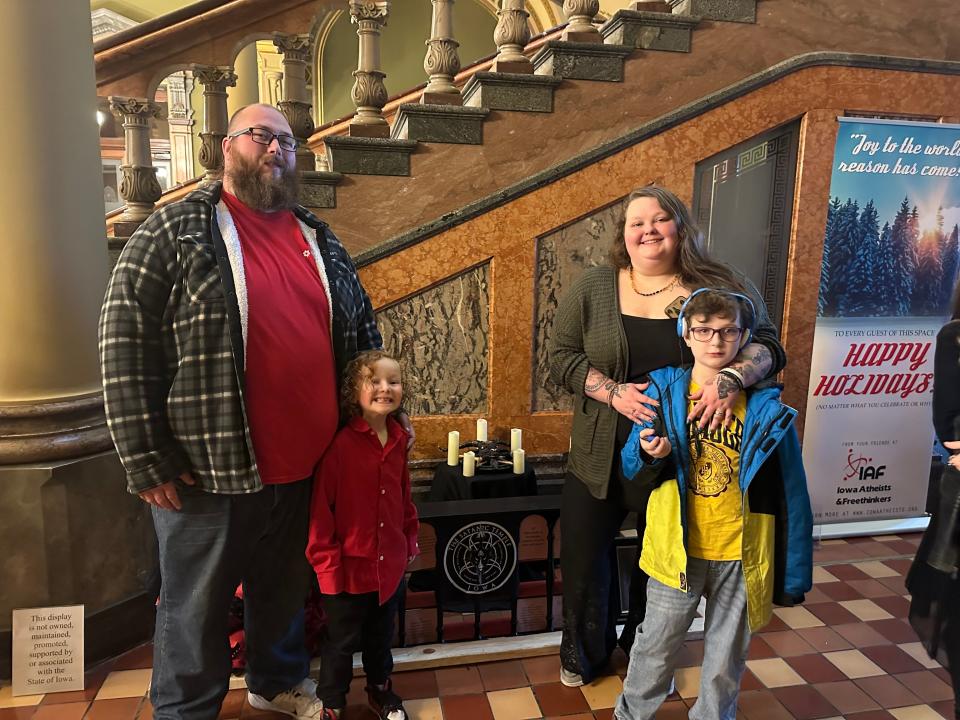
(848, 652)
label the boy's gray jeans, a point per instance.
(664, 630)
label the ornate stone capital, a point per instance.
(295, 48)
(135, 112)
(214, 78)
(377, 10)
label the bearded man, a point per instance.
(225, 327)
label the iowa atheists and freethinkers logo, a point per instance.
(480, 558)
(860, 469)
(863, 478)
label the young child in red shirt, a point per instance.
(363, 533)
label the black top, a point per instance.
(651, 343)
(946, 382)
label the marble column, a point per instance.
(139, 186)
(247, 90)
(215, 80)
(369, 93)
(180, 114)
(511, 36)
(579, 15)
(296, 106)
(70, 532)
(442, 62)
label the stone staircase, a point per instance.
(649, 66)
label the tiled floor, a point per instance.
(848, 652)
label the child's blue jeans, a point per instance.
(664, 630)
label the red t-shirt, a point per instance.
(291, 385)
(363, 523)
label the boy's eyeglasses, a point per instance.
(265, 137)
(705, 334)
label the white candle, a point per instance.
(481, 430)
(516, 439)
(469, 463)
(453, 448)
(519, 462)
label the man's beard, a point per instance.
(261, 191)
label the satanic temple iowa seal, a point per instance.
(480, 557)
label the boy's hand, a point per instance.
(655, 446)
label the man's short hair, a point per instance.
(232, 124)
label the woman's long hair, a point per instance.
(697, 269)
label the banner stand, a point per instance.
(830, 531)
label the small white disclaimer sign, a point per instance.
(47, 650)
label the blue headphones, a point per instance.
(748, 332)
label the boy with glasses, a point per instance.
(729, 518)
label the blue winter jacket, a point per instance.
(777, 549)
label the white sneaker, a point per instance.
(673, 686)
(300, 702)
(570, 679)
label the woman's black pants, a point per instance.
(588, 527)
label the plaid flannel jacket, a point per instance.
(173, 343)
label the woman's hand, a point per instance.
(628, 400)
(713, 403)
(954, 459)
(656, 446)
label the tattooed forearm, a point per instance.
(753, 362)
(595, 380)
(726, 386)
(600, 387)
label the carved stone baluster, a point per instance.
(296, 51)
(442, 62)
(369, 92)
(511, 36)
(215, 80)
(579, 15)
(139, 186)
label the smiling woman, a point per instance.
(612, 327)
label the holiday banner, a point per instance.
(890, 261)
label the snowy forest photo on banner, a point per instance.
(891, 257)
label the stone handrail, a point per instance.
(340, 125)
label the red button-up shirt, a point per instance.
(363, 523)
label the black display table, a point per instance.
(450, 484)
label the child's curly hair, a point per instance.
(358, 370)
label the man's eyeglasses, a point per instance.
(265, 137)
(705, 334)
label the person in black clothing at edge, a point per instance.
(935, 593)
(614, 325)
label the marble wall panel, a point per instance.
(561, 256)
(440, 336)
